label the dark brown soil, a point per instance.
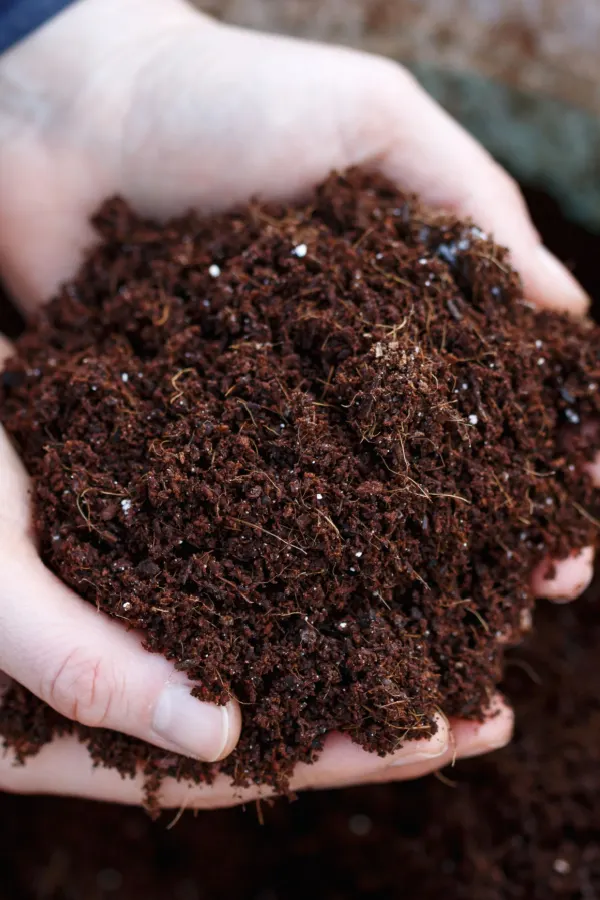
(317, 476)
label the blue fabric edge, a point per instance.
(20, 18)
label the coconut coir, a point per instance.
(313, 453)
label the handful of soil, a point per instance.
(314, 454)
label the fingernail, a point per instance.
(571, 576)
(194, 728)
(593, 470)
(419, 756)
(578, 589)
(560, 281)
(493, 734)
(421, 751)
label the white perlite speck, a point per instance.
(214, 271)
(125, 505)
(473, 420)
(561, 866)
(300, 251)
(319, 496)
(124, 377)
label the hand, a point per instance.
(154, 101)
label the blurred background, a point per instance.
(524, 77)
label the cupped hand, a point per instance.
(154, 101)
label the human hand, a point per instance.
(154, 101)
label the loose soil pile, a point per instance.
(313, 453)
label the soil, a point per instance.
(313, 453)
(121, 855)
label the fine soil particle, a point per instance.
(313, 454)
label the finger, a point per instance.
(469, 739)
(593, 470)
(91, 670)
(14, 484)
(442, 162)
(566, 579)
(590, 431)
(477, 738)
(64, 767)
(343, 761)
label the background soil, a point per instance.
(521, 823)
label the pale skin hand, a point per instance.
(154, 101)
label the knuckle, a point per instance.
(82, 688)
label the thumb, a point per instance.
(91, 670)
(81, 663)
